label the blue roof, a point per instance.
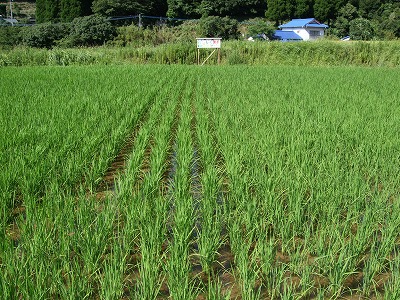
(286, 36)
(303, 23)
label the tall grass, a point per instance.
(319, 53)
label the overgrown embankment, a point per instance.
(321, 53)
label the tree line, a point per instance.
(67, 10)
(368, 15)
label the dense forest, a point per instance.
(378, 16)
(275, 10)
(336, 13)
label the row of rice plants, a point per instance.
(153, 216)
(70, 246)
(140, 229)
(317, 174)
(178, 266)
(134, 207)
(142, 210)
(209, 237)
(59, 126)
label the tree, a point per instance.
(259, 26)
(234, 7)
(47, 10)
(70, 9)
(277, 10)
(304, 9)
(159, 8)
(345, 16)
(324, 10)
(121, 7)
(388, 19)
(91, 31)
(361, 29)
(3, 10)
(45, 35)
(368, 7)
(184, 8)
(61, 10)
(52, 10)
(196, 8)
(214, 26)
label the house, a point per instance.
(307, 29)
(286, 36)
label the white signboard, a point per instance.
(208, 43)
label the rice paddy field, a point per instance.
(186, 182)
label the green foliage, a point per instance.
(121, 7)
(324, 10)
(47, 10)
(9, 36)
(70, 9)
(279, 10)
(85, 31)
(369, 7)
(159, 8)
(44, 35)
(232, 8)
(387, 20)
(214, 26)
(61, 10)
(203, 185)
(304, 8)
(321, 53)
(134, 36)
(258, 26)
(342, 23)
(361, 29)
(186, 8)
(3, 10)
(91, 31)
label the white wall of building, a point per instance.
(307, 33)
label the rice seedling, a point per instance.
(297, 181)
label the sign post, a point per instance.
(208, 43)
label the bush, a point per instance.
(134, 36)
(9, 36)
(90, 31)
(361, 29)
(258, 26)
(214, 26)
(44, 35)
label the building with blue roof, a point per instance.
(286, 36)
(307, 29)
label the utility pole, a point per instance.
(12, 21)
(140, 21)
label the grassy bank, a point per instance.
(322, 53)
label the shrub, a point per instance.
(214, 26)
(90, 31)
(361, 29)
(259, 25)
(44, 35)
(132, 35)
(9, 36)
